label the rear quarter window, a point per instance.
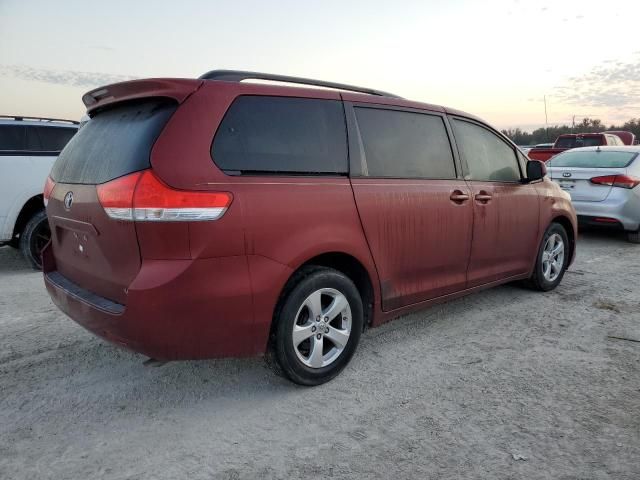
(12, 138)
(270, 135)
(54, 139)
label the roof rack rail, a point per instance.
(20, 118)
(239, 75)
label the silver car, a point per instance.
(603, 184)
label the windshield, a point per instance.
(593, 159)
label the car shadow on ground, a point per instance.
(158, 385)
(602, 235)
(93, 361)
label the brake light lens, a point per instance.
(116, 196)
(143, 197)
(622, 181)
(48, 188)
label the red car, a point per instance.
(568, 141)
(213, 217)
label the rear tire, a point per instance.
(34, 237)
(317, 326)
(633, 237)
(552, 259)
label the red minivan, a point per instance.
(211, 217)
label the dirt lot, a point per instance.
(507, 383)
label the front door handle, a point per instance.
(483, 197)
(458, 197)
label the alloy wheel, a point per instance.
(553, 257)
(322, 328)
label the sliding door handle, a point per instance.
(458, 196)
(483, 197)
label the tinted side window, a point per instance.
(404, 144)
(282, 135)
(33, 140)
(12, 137)
(488, 157)
(54, 139)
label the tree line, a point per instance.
(587, 125)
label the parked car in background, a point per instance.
(574, 140)
(628, 138)
(525, 148)
(603, 184)
(215, 217)
(28, 148)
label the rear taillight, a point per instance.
(143, 197)
(622, 181)
(48, 188)
(116, 196)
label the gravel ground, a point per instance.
(506, 383)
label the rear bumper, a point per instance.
(600, 222)
(622, 205)
(175, 309)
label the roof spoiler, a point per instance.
(176, 88)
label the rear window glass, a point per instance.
(12, 137)
(262, 134)
(576, 142)
(593, 159)
(114, 143)
(404, 144)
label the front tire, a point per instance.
(34, 237)
(317, 325)
(552, 259)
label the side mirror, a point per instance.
(536, 170)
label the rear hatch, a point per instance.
(92, 249)
(589, 175)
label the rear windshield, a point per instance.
(593, 159)
(576, 142)
(261, 134)
(114, 143)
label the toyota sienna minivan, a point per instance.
(212, 217)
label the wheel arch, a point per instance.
(350, 266)
(571, 233)
(30, 208)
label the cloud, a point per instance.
(62, 77)
(613, 85)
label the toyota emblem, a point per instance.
(68, 200)
(565, 174)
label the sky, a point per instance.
(497, 59)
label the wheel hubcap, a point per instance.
(322, 328)
(553, 257)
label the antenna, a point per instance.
(546, 120)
